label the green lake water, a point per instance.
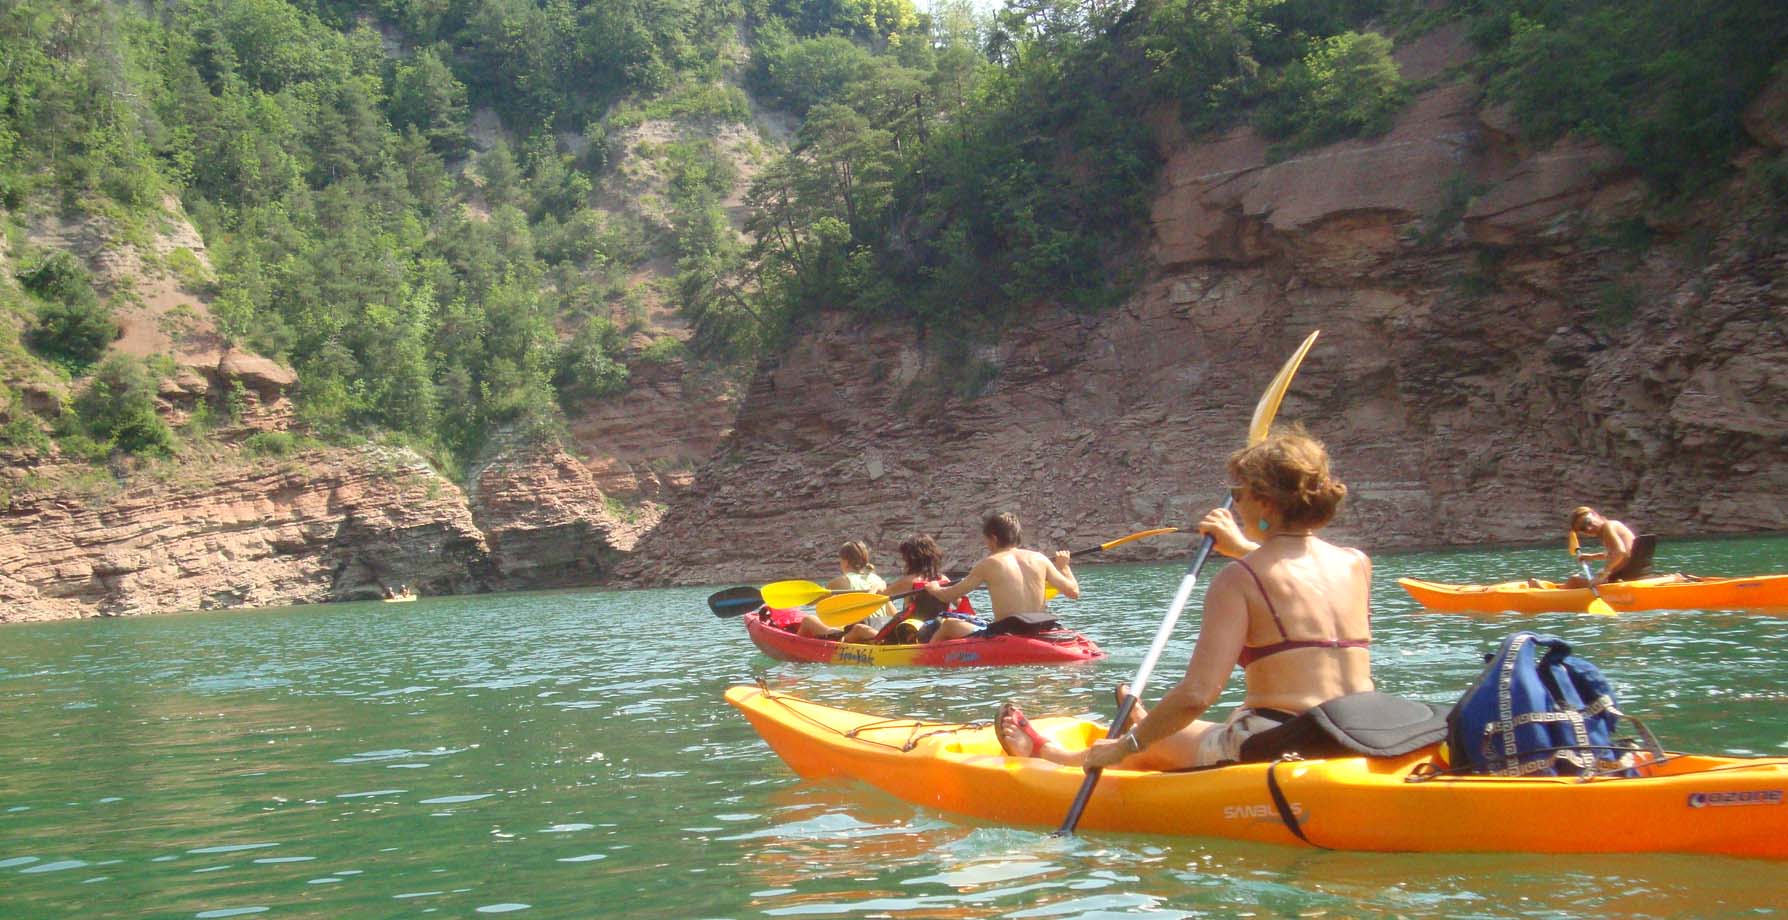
(569, 755)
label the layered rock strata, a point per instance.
(1506, 333)
(323, 525)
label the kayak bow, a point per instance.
(1352, 803)
(1663, 592)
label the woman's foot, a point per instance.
(1136, 712)
(1017, 737)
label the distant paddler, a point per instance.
(1016, 579)
(1625, 556)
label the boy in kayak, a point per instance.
(1015, 579)
(1618, 544)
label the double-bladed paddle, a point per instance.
(1597, 605)
(798, 593)
(1264, 411)
(843, 609)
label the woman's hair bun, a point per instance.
(1290, 471)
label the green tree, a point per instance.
(425, 95)
(586, 366)
(118, 409)
(72, 324)
(1347, 85)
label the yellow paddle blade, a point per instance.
(793, 593)
(1268, 407)
(845, 609)
(1120, 541)
(1571, 544)
(1600, 607)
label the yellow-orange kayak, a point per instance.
(1664, 592)
(1689, 804)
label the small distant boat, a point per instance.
(1662, 592)
(401, 598)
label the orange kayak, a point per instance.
(1684, 803)
(1663, 592)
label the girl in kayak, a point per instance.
(855, 573)
(923, 562)
(1292, 611)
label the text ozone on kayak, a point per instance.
(1749, 797)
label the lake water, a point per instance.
(569, 755)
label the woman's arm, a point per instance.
(969, 582)
(1220, 642)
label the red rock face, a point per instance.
(325, 525)
(1489, 359)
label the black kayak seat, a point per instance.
(1372, 724)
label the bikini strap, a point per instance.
(1265, 597)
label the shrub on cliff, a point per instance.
(586, 367)
(73, 325)
(117, 409)
(1347, 85)
(1664, 82)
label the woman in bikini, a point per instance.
(1292, 611)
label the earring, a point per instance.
(1265, 525)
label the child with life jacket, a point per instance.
(922, 560)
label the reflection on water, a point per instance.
(568, 755)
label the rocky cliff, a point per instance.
(1507, 332)
(322, 525)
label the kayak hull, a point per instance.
(1664, 592)
(1055, 647)
(1693, 804)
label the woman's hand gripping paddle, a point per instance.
(1597, 605)
(1264, 411)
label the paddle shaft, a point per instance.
(1143, 672)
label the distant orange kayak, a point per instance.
(1664, 592)
(1683, 804)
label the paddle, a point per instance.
(845, 609)
(1597, 605)
(1264, 411)
(735, 602)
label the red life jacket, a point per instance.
(962, 604)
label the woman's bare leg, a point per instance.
(1175, 752)
(952, 629)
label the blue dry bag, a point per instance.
(1537, 710)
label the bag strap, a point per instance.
(1284, 806)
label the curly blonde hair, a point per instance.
(1290, 471)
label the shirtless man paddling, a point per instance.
(1015, 579)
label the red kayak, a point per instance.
(1057, 646)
